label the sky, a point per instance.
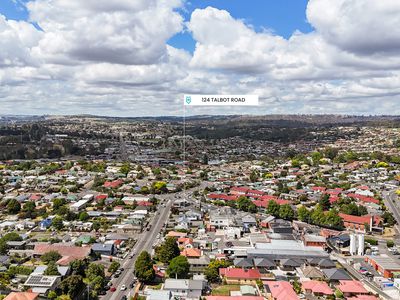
(139, 57)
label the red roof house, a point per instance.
(191, 252)
(351, 288)
(363, 198)
(238, 190)
(113, 184)
(317, 288)
(236, 275)
(281, 290)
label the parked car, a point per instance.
(113, 289)
(123, 287)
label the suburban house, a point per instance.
(104, 249)
(42, 284)
(239, 276)
(68, 253)
(184, 288)
(351, 288)
(280, 290)
(317, 288)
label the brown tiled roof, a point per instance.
(64, 250)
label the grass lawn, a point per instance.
(224, 290)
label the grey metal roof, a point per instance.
(336, 274)
(264, 262)
(102, 247)
(243, 262)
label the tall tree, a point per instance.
(273, 208)
(144, 267)
(324, 202)
(78, 267)
(303, 214)
(254, 176)
(168, 250)
(286, 212)
(212, 270)
(13, 207)
(51, 270)
(57, 223)
(178, 267)
(72, 286)
(50, 257)
(95, 270)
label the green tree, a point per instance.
(97, 283)
(159, 186)
(332, 219)
(57, 203)
(303, 214)
(57, 223)
(3, 247)
(254, 176)
(316, 156)
(388, 218)
(83, 216)
(178, 267)
(13, 207)
(125, 168)
(212, 270)
(330, 152)
(96, 225)
(72, 285)
(205, 159)
(295, 163)
(324, 202)
(299, 185)
(245, 204)
(12, 236)
(168, 250)
(144, 267)
(29, 209)
(63, 297)
(51, 270)
(114, 266)
(318, 216)
(50, 257)
(52, 295)
(286, 212)
(78, 267)
(94, 270)
(273, 208)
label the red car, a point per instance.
(113, 289)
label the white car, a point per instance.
(123, 287)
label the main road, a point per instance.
(145, 242)
(391, 201)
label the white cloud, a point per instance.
(112, 57)
(360, 26)
(120, 32)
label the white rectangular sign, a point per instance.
(237, 100)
